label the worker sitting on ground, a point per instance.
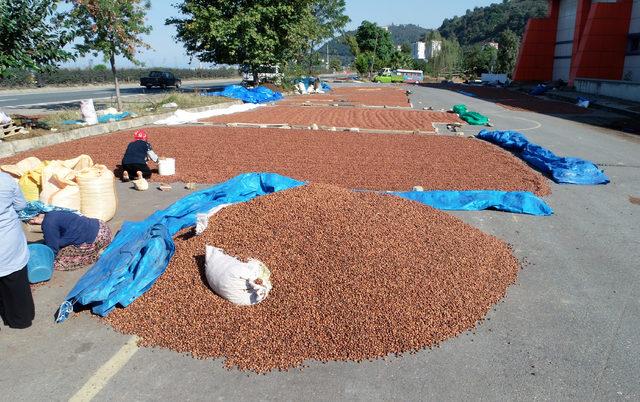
(134, 162)
(76, 240)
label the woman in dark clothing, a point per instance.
(134, 162)
(76, 240)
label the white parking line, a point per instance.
(6, 100)
(102, 376)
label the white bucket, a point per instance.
(167, 167)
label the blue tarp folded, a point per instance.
(561, 169)
(521, 202)
(467, 94)
(105, 118)
(254, 95)
(102, 119)
(540, 89)
(141, 251)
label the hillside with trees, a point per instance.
(486, 24)
(401, 34)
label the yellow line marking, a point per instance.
(102, 376)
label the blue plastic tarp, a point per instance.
(141, 251)
(520, 202)
(254, 95)
(467, 93)
(105, 118)
(540, 89)
(561, 169)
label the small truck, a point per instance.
(160, 79)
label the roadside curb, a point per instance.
(10, 148)
(97, 87)
(596, 105)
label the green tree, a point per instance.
(111, 27)
(480, 59)
(365, 63)
(508, 52)
(448, 60)
(352, 43)
(421, 65)
(431, 35)
(484, 24)
(377, 42)
(251, 33)
(335, 65)
(406, 48)
(328, 19)
(400, 59)
(30, 39)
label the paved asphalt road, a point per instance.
(569, 329)
(44, 96)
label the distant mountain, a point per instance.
(406, 33)
(484, 24)
(403, 33)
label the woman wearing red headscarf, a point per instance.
(134, 162)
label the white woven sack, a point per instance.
(243, 283)
(97, 192)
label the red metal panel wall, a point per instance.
(535, 60)
(602, 41)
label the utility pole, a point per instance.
(327, 55)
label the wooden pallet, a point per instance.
(9, 129)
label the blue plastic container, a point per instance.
(40, 265)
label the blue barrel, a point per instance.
(40, 265)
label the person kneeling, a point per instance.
(134, 161)
(76, 240)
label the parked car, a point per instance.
(160, 79)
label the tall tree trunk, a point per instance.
(256, 77)
(112, 60)
(311, 59)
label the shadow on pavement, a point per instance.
(511, 99)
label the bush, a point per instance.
(77, 76)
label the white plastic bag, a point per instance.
(88, 111)
(202, 220)
(4, 119)
(243, 283)
(302, 89)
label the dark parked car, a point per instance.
(160, 79)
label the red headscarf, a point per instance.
(140, 135)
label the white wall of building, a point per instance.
(425, 51)
(432, 49)
(418, 50)
(564, 39)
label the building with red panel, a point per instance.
(585, 40)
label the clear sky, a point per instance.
(167, 52)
